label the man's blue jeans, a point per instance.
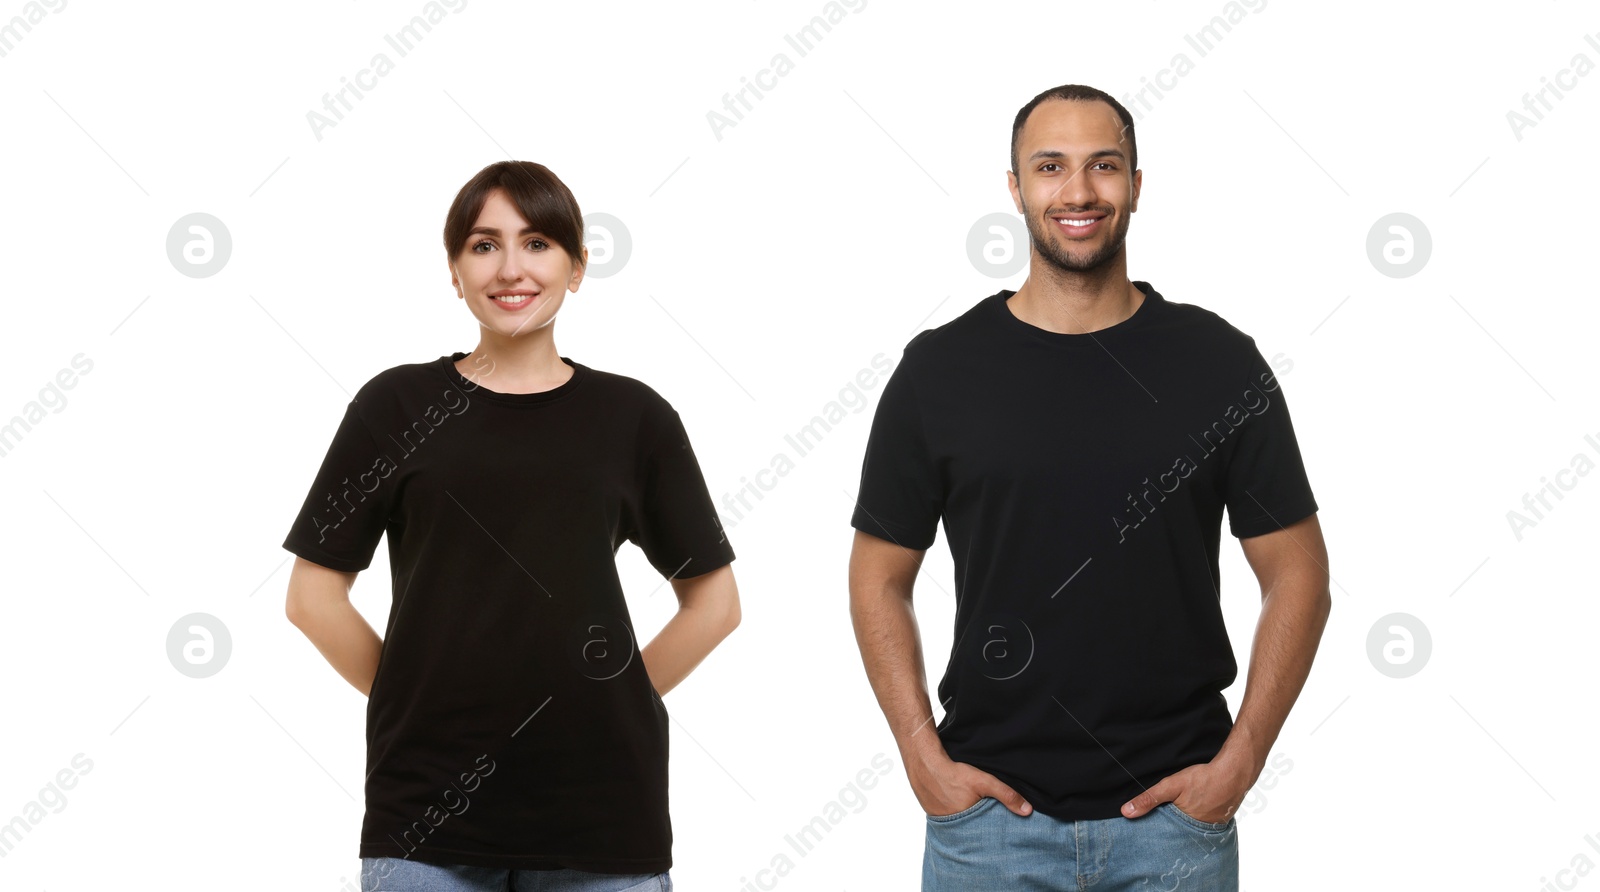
(988, 847)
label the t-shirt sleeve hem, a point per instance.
(1273, 520)
(892, 531)
(318, 556)
(697, 566)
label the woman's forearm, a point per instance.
(345, 639)
(708, 611)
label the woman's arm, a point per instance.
(708, 609)
(319, 605)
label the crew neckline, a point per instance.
(1146, 308)
(447, 367)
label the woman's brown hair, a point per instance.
(538, 195)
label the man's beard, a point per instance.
(1051, 250)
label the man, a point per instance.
(1080, 438)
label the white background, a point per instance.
(768, 268)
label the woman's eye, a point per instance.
(479, 245)
(540, 242)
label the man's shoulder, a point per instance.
(955, 335)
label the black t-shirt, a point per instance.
(512, 722)
(1081, 479)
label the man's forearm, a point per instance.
(891, 650)
(1294, 612)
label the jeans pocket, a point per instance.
(972, 809)
(1195, 822)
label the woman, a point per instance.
(516, 737)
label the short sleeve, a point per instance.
(1266, 484)
(675, 522)
(901, 496)
(347, 508)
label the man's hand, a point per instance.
(1211, 792)
(944, 786)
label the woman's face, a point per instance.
(503, 258)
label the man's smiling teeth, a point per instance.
(1071, 222)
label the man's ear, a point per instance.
(1015, 186)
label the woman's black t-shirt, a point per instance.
(512, 723)
(1082, 479)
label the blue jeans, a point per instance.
(405, 875)
(989, 847)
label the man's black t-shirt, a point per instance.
(512, 723)
(1081, 479)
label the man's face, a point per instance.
(1073, 185)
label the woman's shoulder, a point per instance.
(623, 389)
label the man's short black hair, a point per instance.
(1076, 93)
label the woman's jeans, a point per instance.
(989, 847)
(405, 875)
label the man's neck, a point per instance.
(1073, 303)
